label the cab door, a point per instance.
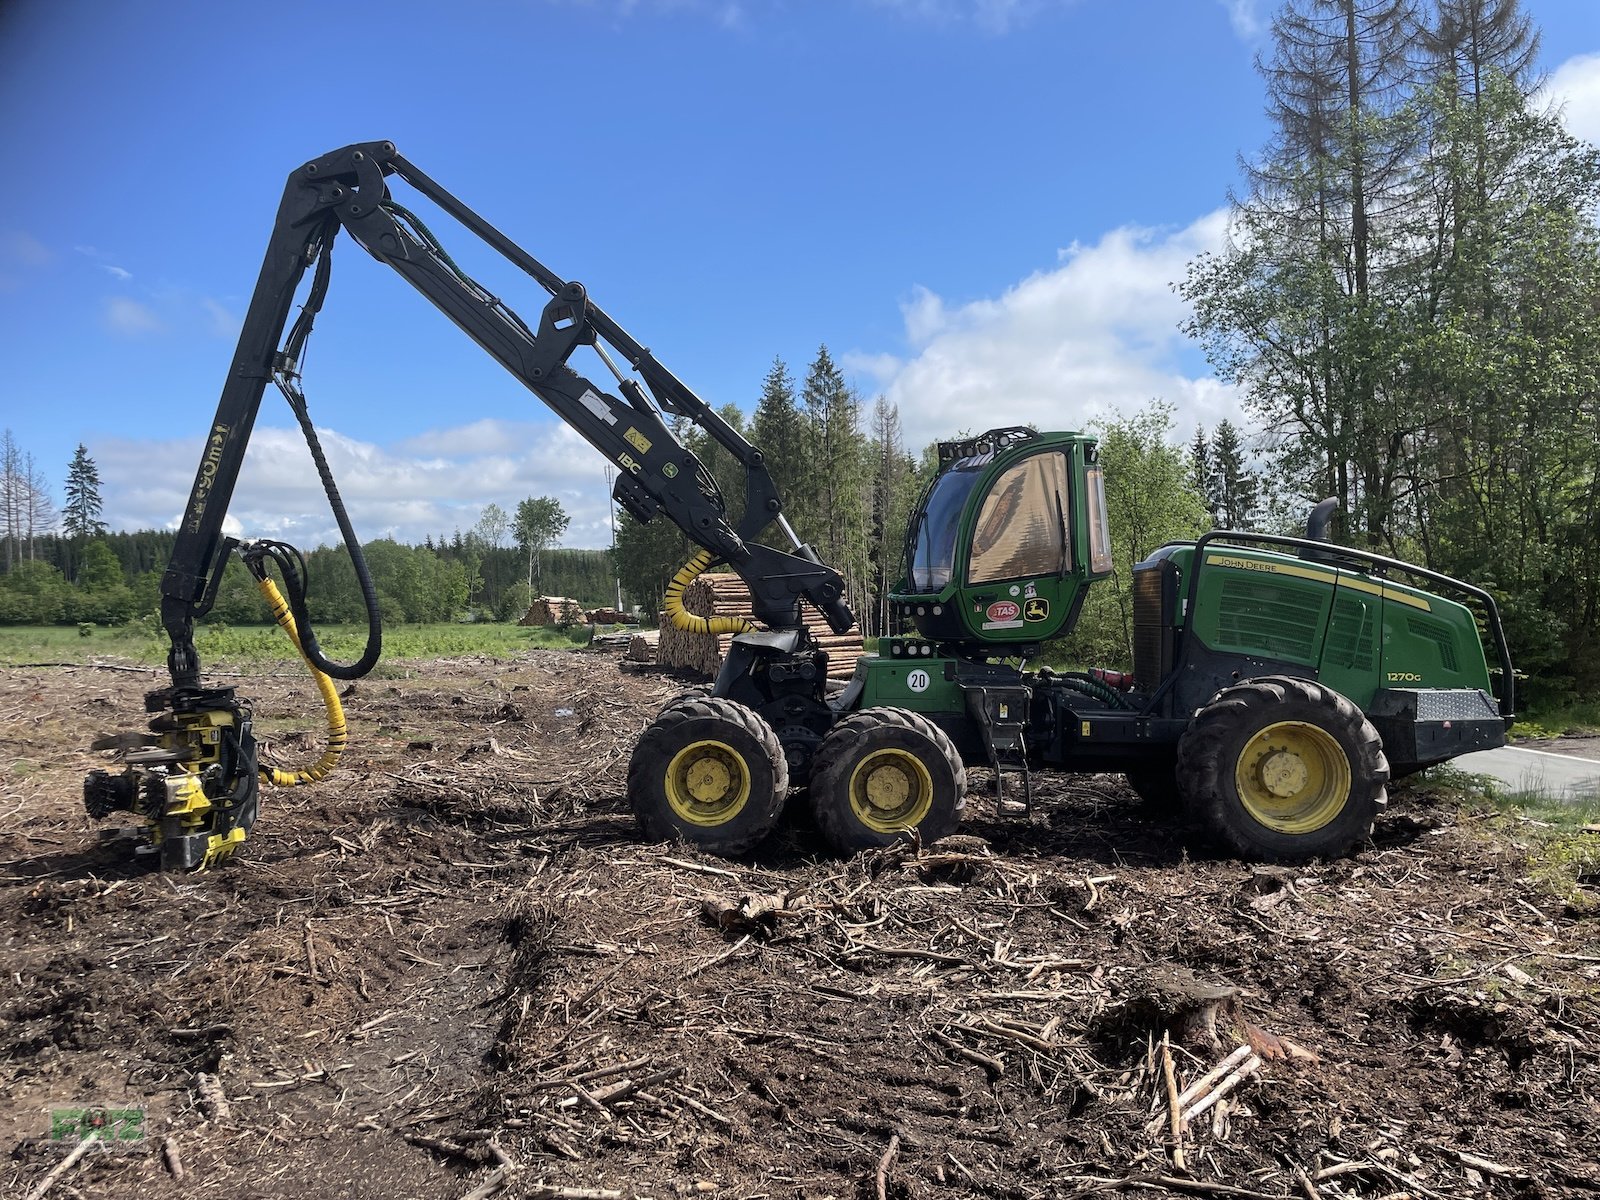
(1020, 580)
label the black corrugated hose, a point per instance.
(290, 561)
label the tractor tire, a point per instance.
(1283, 770)
(882, 772)
(683, 698)
(709, 772)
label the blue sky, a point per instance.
(978, 205)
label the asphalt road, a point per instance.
(1566, 776)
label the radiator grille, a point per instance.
(1147, 628)
(1439, 634)
(1261, 617)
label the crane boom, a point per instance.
(196, 786)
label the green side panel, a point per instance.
(919, 685)
(1361, 632)
(1260, 604)
(1436, 647)
(1351, 651)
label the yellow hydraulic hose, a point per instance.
(337, 734)
(672, 602)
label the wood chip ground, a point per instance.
(454, 970)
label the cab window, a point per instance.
(1099, 523)
(933, 551)
(1022, 525)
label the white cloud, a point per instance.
(220, 322)
(992, 16)
(116, 272)
(484, 437)
(129, 318)
(427, 486)
(880, 368)
(23, 250)
(1574, 88)
(1246, 18)
(1095, 334)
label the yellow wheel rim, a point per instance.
(891, 790)
(1293, 777)
(708, 783)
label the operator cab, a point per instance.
(1005, 541)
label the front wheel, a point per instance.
(1283, 770)
(708, 771)
(881, 772)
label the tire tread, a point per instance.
(1202, 761)
(649, 750)
(832, 819)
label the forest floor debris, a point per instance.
(454, 970)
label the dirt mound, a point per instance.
(453, 968)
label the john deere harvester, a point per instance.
(1277, 684)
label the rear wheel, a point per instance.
(1284, 770)
(708, 771)
(882, 772)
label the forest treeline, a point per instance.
(114, 577)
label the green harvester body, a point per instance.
(1000, 555)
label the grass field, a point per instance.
(21, 644)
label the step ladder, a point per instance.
(1001, 715)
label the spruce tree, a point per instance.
(1234, 490)
(778, 430)
(839, 472)
(80, 516)
(833, 416)
(1200, 468)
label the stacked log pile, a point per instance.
(725, 595)
(607, 616)
(553, 610)
(642, 646)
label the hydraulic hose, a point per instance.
(337, 733)
(286, 375)
(1093, 687)
(369, 591)
(688, 622)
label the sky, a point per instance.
(978, 206)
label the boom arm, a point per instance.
(348, 189)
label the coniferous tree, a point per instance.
(80, 515)
(1312, 347)
(1233, 489)
(1200, 468)
(778, 430)
(1469, 41)
(1410, 305)
(839, 489)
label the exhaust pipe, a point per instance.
(1319, 520)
